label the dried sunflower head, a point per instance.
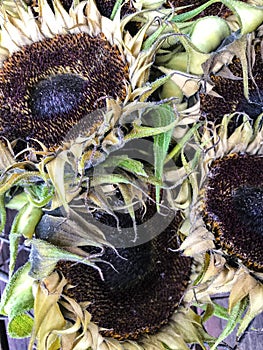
(237, 86)
(63, 66)
(224, 221)
(136, 279)
(133, 279)
(114, 256)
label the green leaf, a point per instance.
(145, 131)
(39, 196)
(153, 37)
(153, 87)
(133, 166)
(17, 297)
(192, 13)
(20, 326)
(213, 309)
(163, 117)
(234, 318)
(17, 202)
(13, 247)
(26, 220)
(123, 161)
(44, 257)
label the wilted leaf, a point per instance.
(242, 287)
(69, 232)
(6, 157)
(56, 171)
(24, 224)
(47, 314)
(189, 326)
(44, 257)
(255, 307)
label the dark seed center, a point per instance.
(60, 94)
(234, 207)
(252, 107)
(130, 268)
(248, 202)
(142, 286)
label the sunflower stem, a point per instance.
(177, 149)
(190, 14)
(218, 310)
(2, 213)
(153, 38)
(116, 7)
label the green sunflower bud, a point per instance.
(250, 17)
(190, 62)
(27, 219)
(208, 32)
(16, 300)
(171, 89)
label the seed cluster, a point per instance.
(146, 284)
(49, 86)
(233, 207)
(231, 89)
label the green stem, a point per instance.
(2, 213)
(116, 7)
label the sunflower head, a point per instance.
(233, 207)
(224, 220)
(62, 68)
(48, 86)
(231, 94)
(136, 279)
